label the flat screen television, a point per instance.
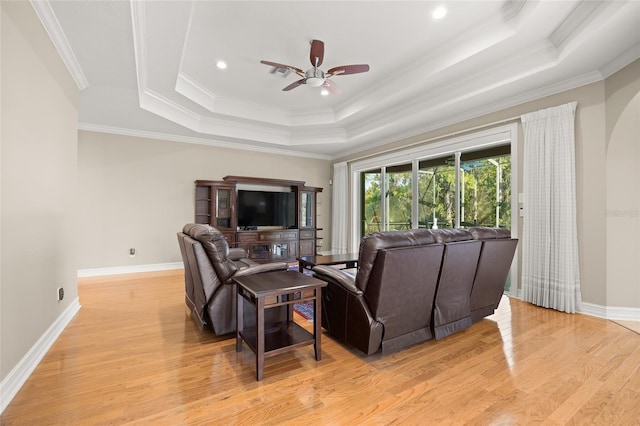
(265, 208)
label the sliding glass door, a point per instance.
(437, 193)
(455, 182)
(457, 190)
(398, 197)
(486, 188)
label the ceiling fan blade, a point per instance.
(348, 69)
(317, 53)
(289, 67)
(331, 87)
(294, 85)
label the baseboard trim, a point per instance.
(17, 377)
(115, 270)
(593, 310)
(614, 313)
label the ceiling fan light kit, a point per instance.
(315, 77)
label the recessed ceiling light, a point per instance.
(324, 92)
(439, 12)
(221, 64)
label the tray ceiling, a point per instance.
(149, 67)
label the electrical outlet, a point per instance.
(132, 252)
(60, 293)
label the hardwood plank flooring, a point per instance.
(131, 356)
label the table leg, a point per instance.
(317, 323)
(239, 319)
(260, 338)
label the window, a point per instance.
(371, 206)
(436, 193)
(485, 188)
(394, 210)
(457, 183)
(398, 196)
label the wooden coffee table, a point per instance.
(273, 289)
(308, 262)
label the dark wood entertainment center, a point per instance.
(216, 205)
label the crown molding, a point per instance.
(232, 107)
(621, 61)
(512, 8)
(160, 105)
(99, 128)
(238, 128)
(394, 89)
(249, 131)
(56, 34)
(138, 25)
(473, 113)
(577, 19)
(191, 89)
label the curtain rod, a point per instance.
(448, 135)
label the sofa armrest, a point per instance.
(338, 276)
(260, 268)
(237, 253)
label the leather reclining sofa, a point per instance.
(413, 286)
(209, 266)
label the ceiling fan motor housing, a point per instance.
(314, 77)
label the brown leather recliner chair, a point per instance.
(209, 266)
(389, 303)
(452, 307)
(496, 255)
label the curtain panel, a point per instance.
(340, 208)
(550, 264)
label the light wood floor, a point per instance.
(132, 357)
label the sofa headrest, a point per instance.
(216, 247)
(420, 236)
(452, 235)
(188, 228)
(484, 233)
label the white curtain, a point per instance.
(340, 208)
(550, 276)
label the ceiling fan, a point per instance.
(315, 77)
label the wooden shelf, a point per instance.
(287, 337)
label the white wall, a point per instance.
(138, 193)
(39, 184)
(623, 189)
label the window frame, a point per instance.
(499, 135)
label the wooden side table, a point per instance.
(308, 262)
(273, 289)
